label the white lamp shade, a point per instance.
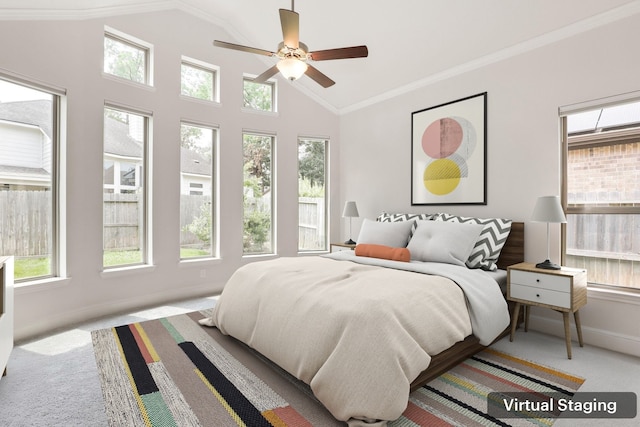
(548, 209)
(292, 68)
(350, 210)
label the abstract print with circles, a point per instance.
(448, 153)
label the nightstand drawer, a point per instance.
(540, 295)
(541, 280)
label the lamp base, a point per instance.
(548, 265)
(350, 242)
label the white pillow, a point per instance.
(394, 234)
(447, 242)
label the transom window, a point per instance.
(127, 57)
(198, 80)
(259, 96)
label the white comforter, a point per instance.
(357, 334)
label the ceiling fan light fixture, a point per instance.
(292, 68)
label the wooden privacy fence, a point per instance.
(311, 224)
(122, 214)
(25, 222)
(609, 258)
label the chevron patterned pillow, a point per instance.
(397, 217)
(487, 249)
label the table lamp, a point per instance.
(350, 211)
(549, 210)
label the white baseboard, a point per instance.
(592, 336)
(44, 324)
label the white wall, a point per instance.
(68, 55)
(524, 93)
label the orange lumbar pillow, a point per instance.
(384, 252)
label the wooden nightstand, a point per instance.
(335, 247)
(563, 290)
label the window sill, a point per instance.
(199, 262)
(259, 256)
(132, 83)
(200, 101)
(616, 295)
(40, 285)
(264, 113)
(125, 271)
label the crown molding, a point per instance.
(75, 14)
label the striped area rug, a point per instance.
(174, 372)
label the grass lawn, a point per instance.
(40, 266)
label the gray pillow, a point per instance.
(447, 242)
(394, 234)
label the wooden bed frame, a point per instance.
(512, 253)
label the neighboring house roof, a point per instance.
(118, 141)
(19, 171)
(194, 163)
(35, 113)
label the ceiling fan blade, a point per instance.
(266, 75)
(290, 22)
(242, 48)
(319, 78)
(340, 53)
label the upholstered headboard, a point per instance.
(513, 250)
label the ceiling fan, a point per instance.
(294, 55)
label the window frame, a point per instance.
(135, 43)
(215, 244)
(274, 95)
(145, 178)
(58, 269)
(607, 138)
(272, 187)
(326, 194)
(203, 66)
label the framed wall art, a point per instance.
(449, 153)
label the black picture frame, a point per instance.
(449, 153)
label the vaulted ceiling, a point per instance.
(411, 42)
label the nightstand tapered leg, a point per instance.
(576, 317)
(567, 333)
(514, 320)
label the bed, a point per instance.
(363, 331)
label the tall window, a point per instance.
(258, 236)
(259, 96)
(198, 80)
(312, 197)
(197, 237)
(603, 194)
(125, 188)
(29, 149)
(127, 57)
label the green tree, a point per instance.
(256, 223)
(124, 60)
(257, 158)
(311, 161)
(196, 82)
(258, 96)
(201, 225)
